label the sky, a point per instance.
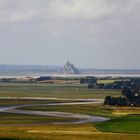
(89, 33)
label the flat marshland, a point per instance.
(53, 90)
(123, 124)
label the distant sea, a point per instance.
(67, 75)
(16, 71)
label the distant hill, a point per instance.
(17, 69)
(70, 69)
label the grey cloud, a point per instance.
(91, 26)
(26, 10)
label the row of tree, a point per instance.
(131, 96)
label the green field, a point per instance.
(122, 126)
(91, 109)
(108, 81)
(119, 123)
(12, 102)
(16, 119)
(53, 90)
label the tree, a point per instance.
(127, 92)
(90, 86)
(108, 100)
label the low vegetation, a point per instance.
(123, 125)
(13, 139)
(17, 119)
(131, 93)
(90, 109)
(53, 90)
(62, 132)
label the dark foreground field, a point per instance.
(124, 123)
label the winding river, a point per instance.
(79, 118)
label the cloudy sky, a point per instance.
(90, 33)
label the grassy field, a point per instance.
(122, 126)
(90, 109)
(13, 139)
(109, 81)
(16, 119)
(62, 132)
(121, 121)
(53, 90)
(125, 124)
(12, 102)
